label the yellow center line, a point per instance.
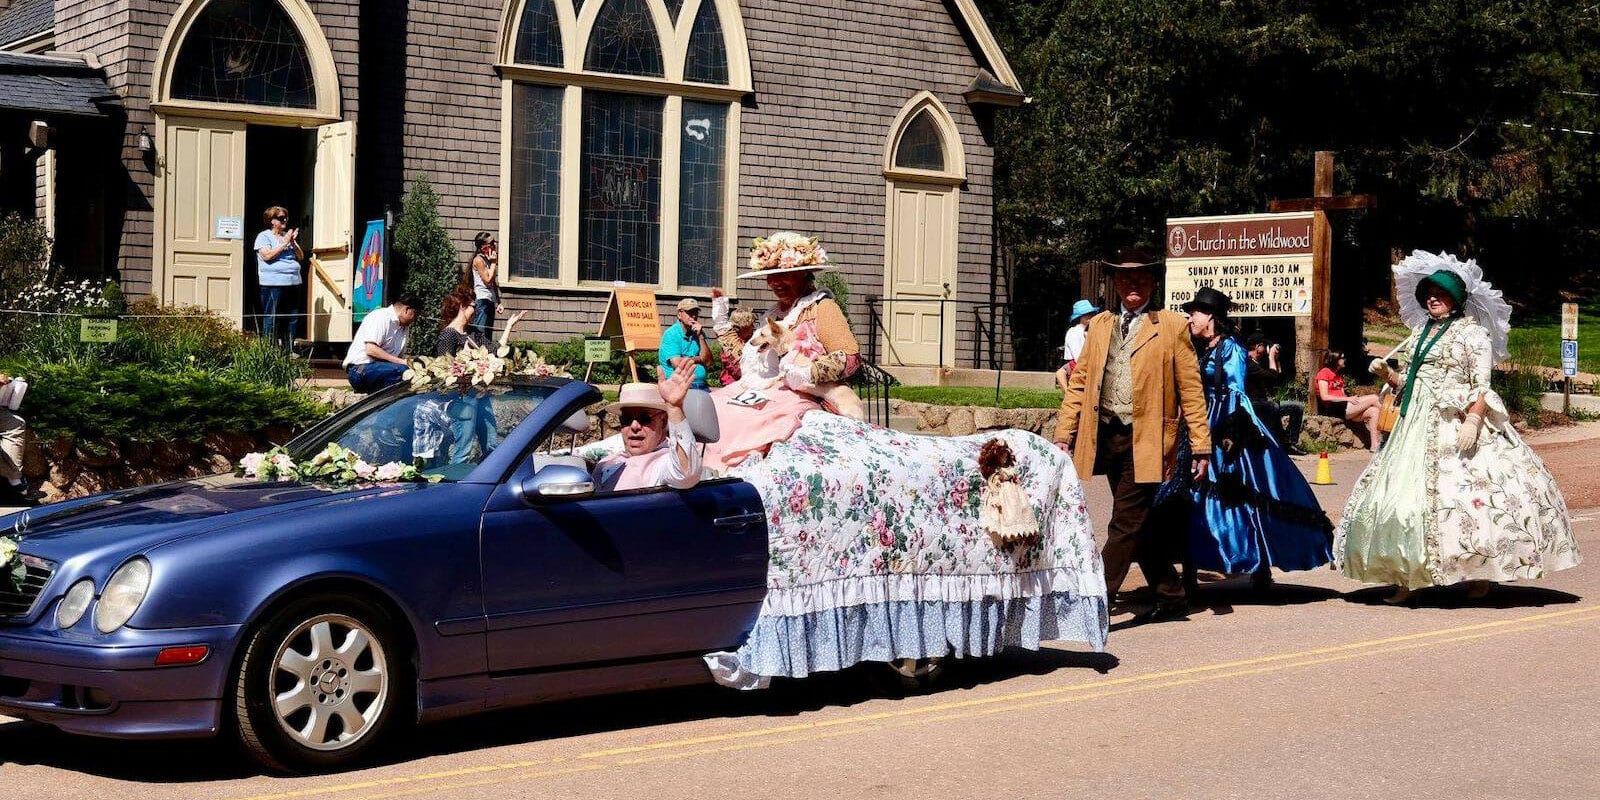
(971, 707)
(989, 710)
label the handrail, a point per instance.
(871, 383)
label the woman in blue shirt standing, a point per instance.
(278, 259)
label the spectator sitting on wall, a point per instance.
(374, 360)
(1262, 375)
(685, 338)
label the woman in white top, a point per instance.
(485, 289)
(1077, 333)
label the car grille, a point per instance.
(18, 600)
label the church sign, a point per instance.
(1262, 261)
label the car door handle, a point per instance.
(737, 521)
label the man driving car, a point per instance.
(658, 443)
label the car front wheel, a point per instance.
(321, 684)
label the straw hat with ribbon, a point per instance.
(638, 395)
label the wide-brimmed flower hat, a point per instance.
(786, 251)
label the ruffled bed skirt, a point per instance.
(830, 640)
(877, 553)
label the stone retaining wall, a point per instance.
(967, 420)
(65, 468)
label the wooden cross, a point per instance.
(1312, 334)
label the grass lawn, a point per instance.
(977, 396)
(1537, 339)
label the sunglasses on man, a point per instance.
(642, 416)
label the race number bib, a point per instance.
(749, 398)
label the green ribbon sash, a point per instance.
(1418, 355)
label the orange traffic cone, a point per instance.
(1324, 471)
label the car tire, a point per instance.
(323, 682)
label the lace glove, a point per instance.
(830, 368)
(1467, 437)
(1380, 368)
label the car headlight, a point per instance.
(74, 604)
(122, 595)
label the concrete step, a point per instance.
(1586, 403)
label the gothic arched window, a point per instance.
(247, 52)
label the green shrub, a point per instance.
(837, 285)
(165, 339)
(570, 353)
(428, 258)
(105, 402)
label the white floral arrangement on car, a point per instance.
(476, 366)
(12, 574)
(787, 250)
(335, 465)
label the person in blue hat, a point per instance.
(1077, 333)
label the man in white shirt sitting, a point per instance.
(14, 491)
(659, 446)
(374, 361)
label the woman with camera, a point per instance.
(1455, 496)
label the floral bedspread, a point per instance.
(875, 529)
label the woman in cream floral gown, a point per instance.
(1455, 495)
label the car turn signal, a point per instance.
(178, 656)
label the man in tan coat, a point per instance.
(1137, 381)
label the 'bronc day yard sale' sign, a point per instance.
(1262, 261)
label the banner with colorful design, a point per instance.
(369, 272)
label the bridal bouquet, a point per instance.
(334, 466)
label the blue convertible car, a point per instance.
(311, 622)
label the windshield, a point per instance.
(442, 433)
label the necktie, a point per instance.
(1127, 319)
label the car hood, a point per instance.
(134, 520)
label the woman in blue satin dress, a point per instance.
(1254, 510)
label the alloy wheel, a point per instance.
(329, 682)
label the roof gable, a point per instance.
(971, 18)
(54, 85)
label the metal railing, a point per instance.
(872, 385)
(988, 320)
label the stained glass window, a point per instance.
(922, 145)
(703, 156)
(539, 35)
(673, 7)
(535, 182)
(708, 54)
(244, 51)
(624, 41)
(619, 203)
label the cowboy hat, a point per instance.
(1134, 258)
(638, 395)
(1209, 300)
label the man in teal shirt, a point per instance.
(685, 339)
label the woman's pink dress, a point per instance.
(747, 430)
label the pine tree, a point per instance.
(429, 258)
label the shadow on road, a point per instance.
(1500, 597)
(27, 743)
(785, 698)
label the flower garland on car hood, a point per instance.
(473, 368)
(335, 465)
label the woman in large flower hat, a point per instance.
(1455, 495)
(1254, 510)
(773, 392)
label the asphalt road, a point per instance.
(1316, 690)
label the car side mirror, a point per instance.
(555, 482)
